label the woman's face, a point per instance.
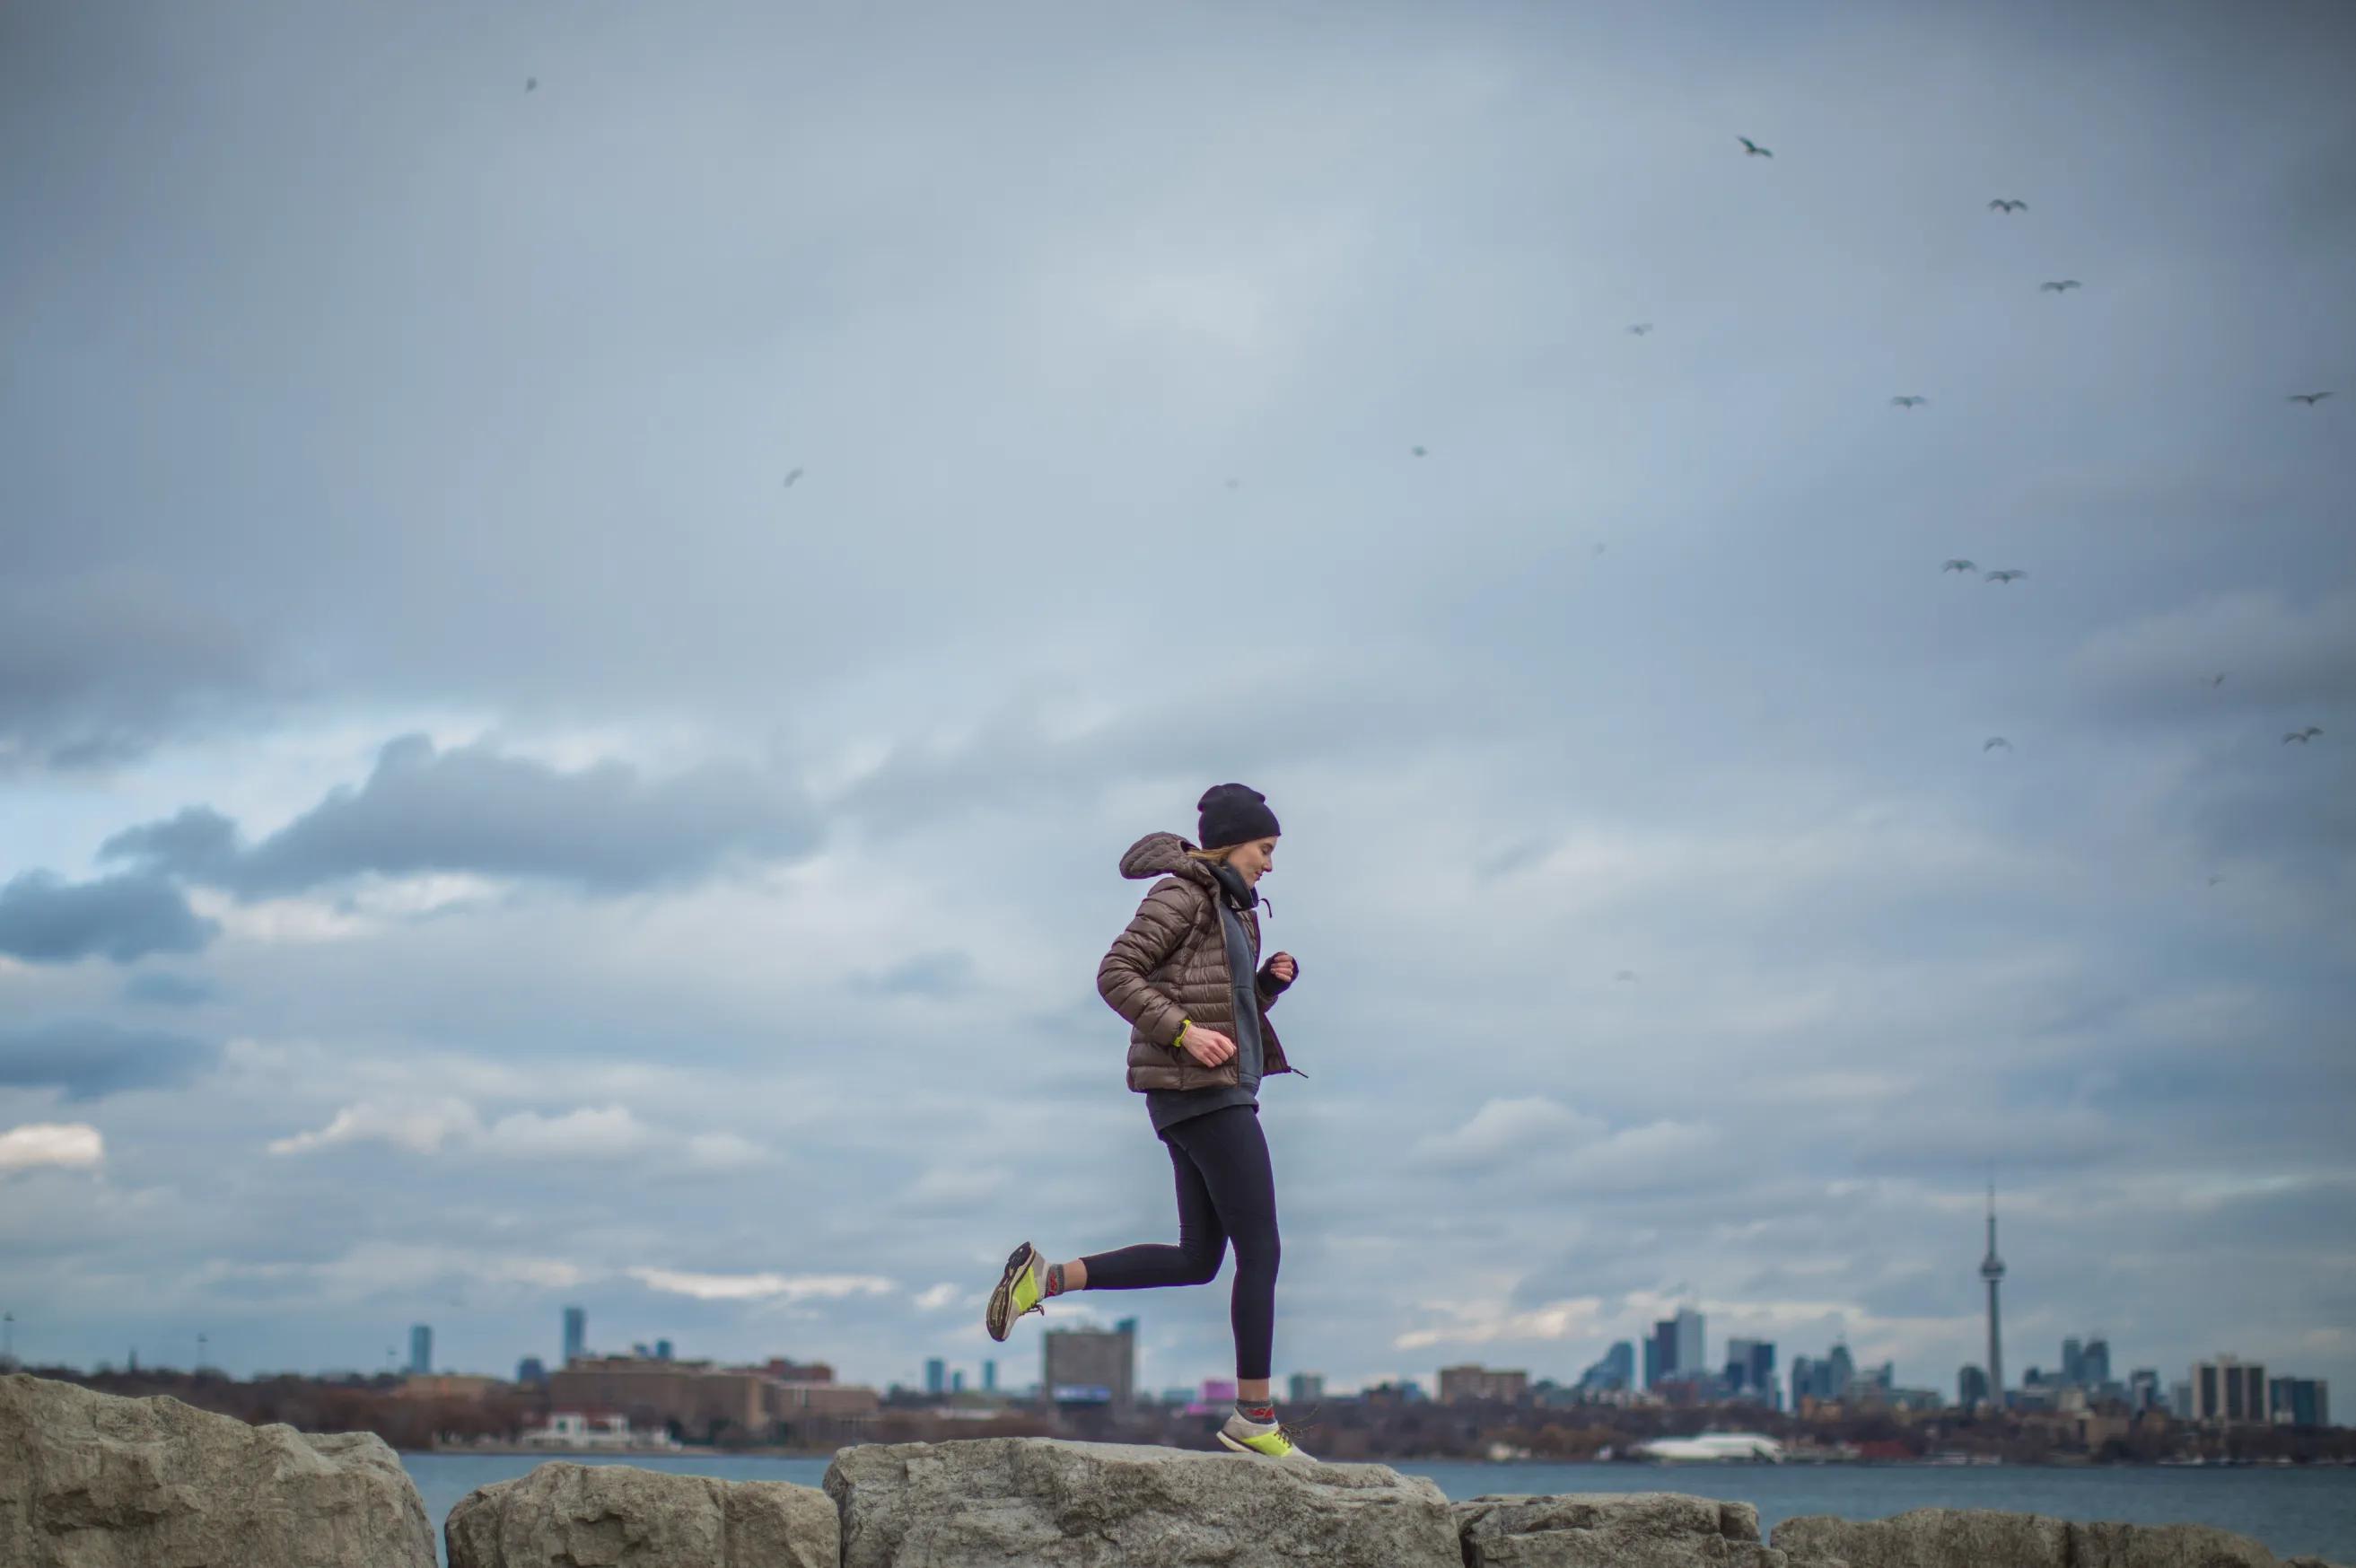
(1253, 860)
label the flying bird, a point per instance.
(2218, 679)
(1993, 741)
(791, 477)
(2310, 398)
(1416, 450)
(1753, 148)
(1599, 547)
(2214, 880)
(530, 82)
(1232, 483)
(1959, 566)
(2005, 576)
(1907, 402)
(2058, 286)
(2302, 735)
(2002, 205)
(1625, 974)
(1639, 328)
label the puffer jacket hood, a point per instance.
(1170, 967)
(1162, 854)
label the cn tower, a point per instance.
(1992, 1271)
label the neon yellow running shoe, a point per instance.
(1020, 1290)
(1275, 1439)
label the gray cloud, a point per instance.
(604, 828)
(934, 976)
(47, 919)
(98, 668)
(501, 441)
(90, 1059)
(161, 988)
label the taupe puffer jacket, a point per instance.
(1170, 966)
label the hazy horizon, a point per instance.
(475, 837)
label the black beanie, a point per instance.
(1234, 813)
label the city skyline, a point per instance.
(474, 838)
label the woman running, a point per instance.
(1186, 975)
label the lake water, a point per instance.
(2292, 1510)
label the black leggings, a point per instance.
(1225, 1190)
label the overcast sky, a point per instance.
(474, 838)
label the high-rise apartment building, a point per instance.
(2229, 1389)
(1305, 1388)
(576, 1333)
(1971, 1388)
(936, 1375)
(1092, 1366)
(421, 1350)
(2298, 1401)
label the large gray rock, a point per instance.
(1611, 1530)
(564, 1515)
(1044, 1500)
(1983, 1537)
(92, 1480)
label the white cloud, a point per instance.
(71, 1144)
(576, 1134)
(1502, 1127)
(932, 1298)
(789, 1288)
(723, 1152)
(421, 1127)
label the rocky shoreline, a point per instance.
(91, 1481)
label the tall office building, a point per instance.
(2229, 1389)
(1992, 1271)
(1305, 1388)
(421, 1350)
(1971, 1388)
(2073, 1362)
(662, 1349)
(2298, 1401)
(2144, 1390)
(531, 1372)
(989, 1377)
(576, 1334)
(1615, 1369)
(957, 1380)
(936, 1375)
(1661, 1353)
(1750, 1369)
(2094, 1365)
(1836, 1372)
(1693, 1359)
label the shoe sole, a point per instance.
(1280, 1459)
(995, 1322)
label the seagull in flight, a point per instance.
(1416, 450)
(2214, 880)
(2310, 398)
(2218, 679)
(1907, 401)
(1232, 483)
(1753, 148)
(531, 84)
(1959, 566)
(2005, 576)
(2001, 205)
(1625, 974)
(2060, 285)
(1639, 328)
(1993, 741)
(791, 477)
(2302, 735)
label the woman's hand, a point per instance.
(1282, 967)
(1207, 1046)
